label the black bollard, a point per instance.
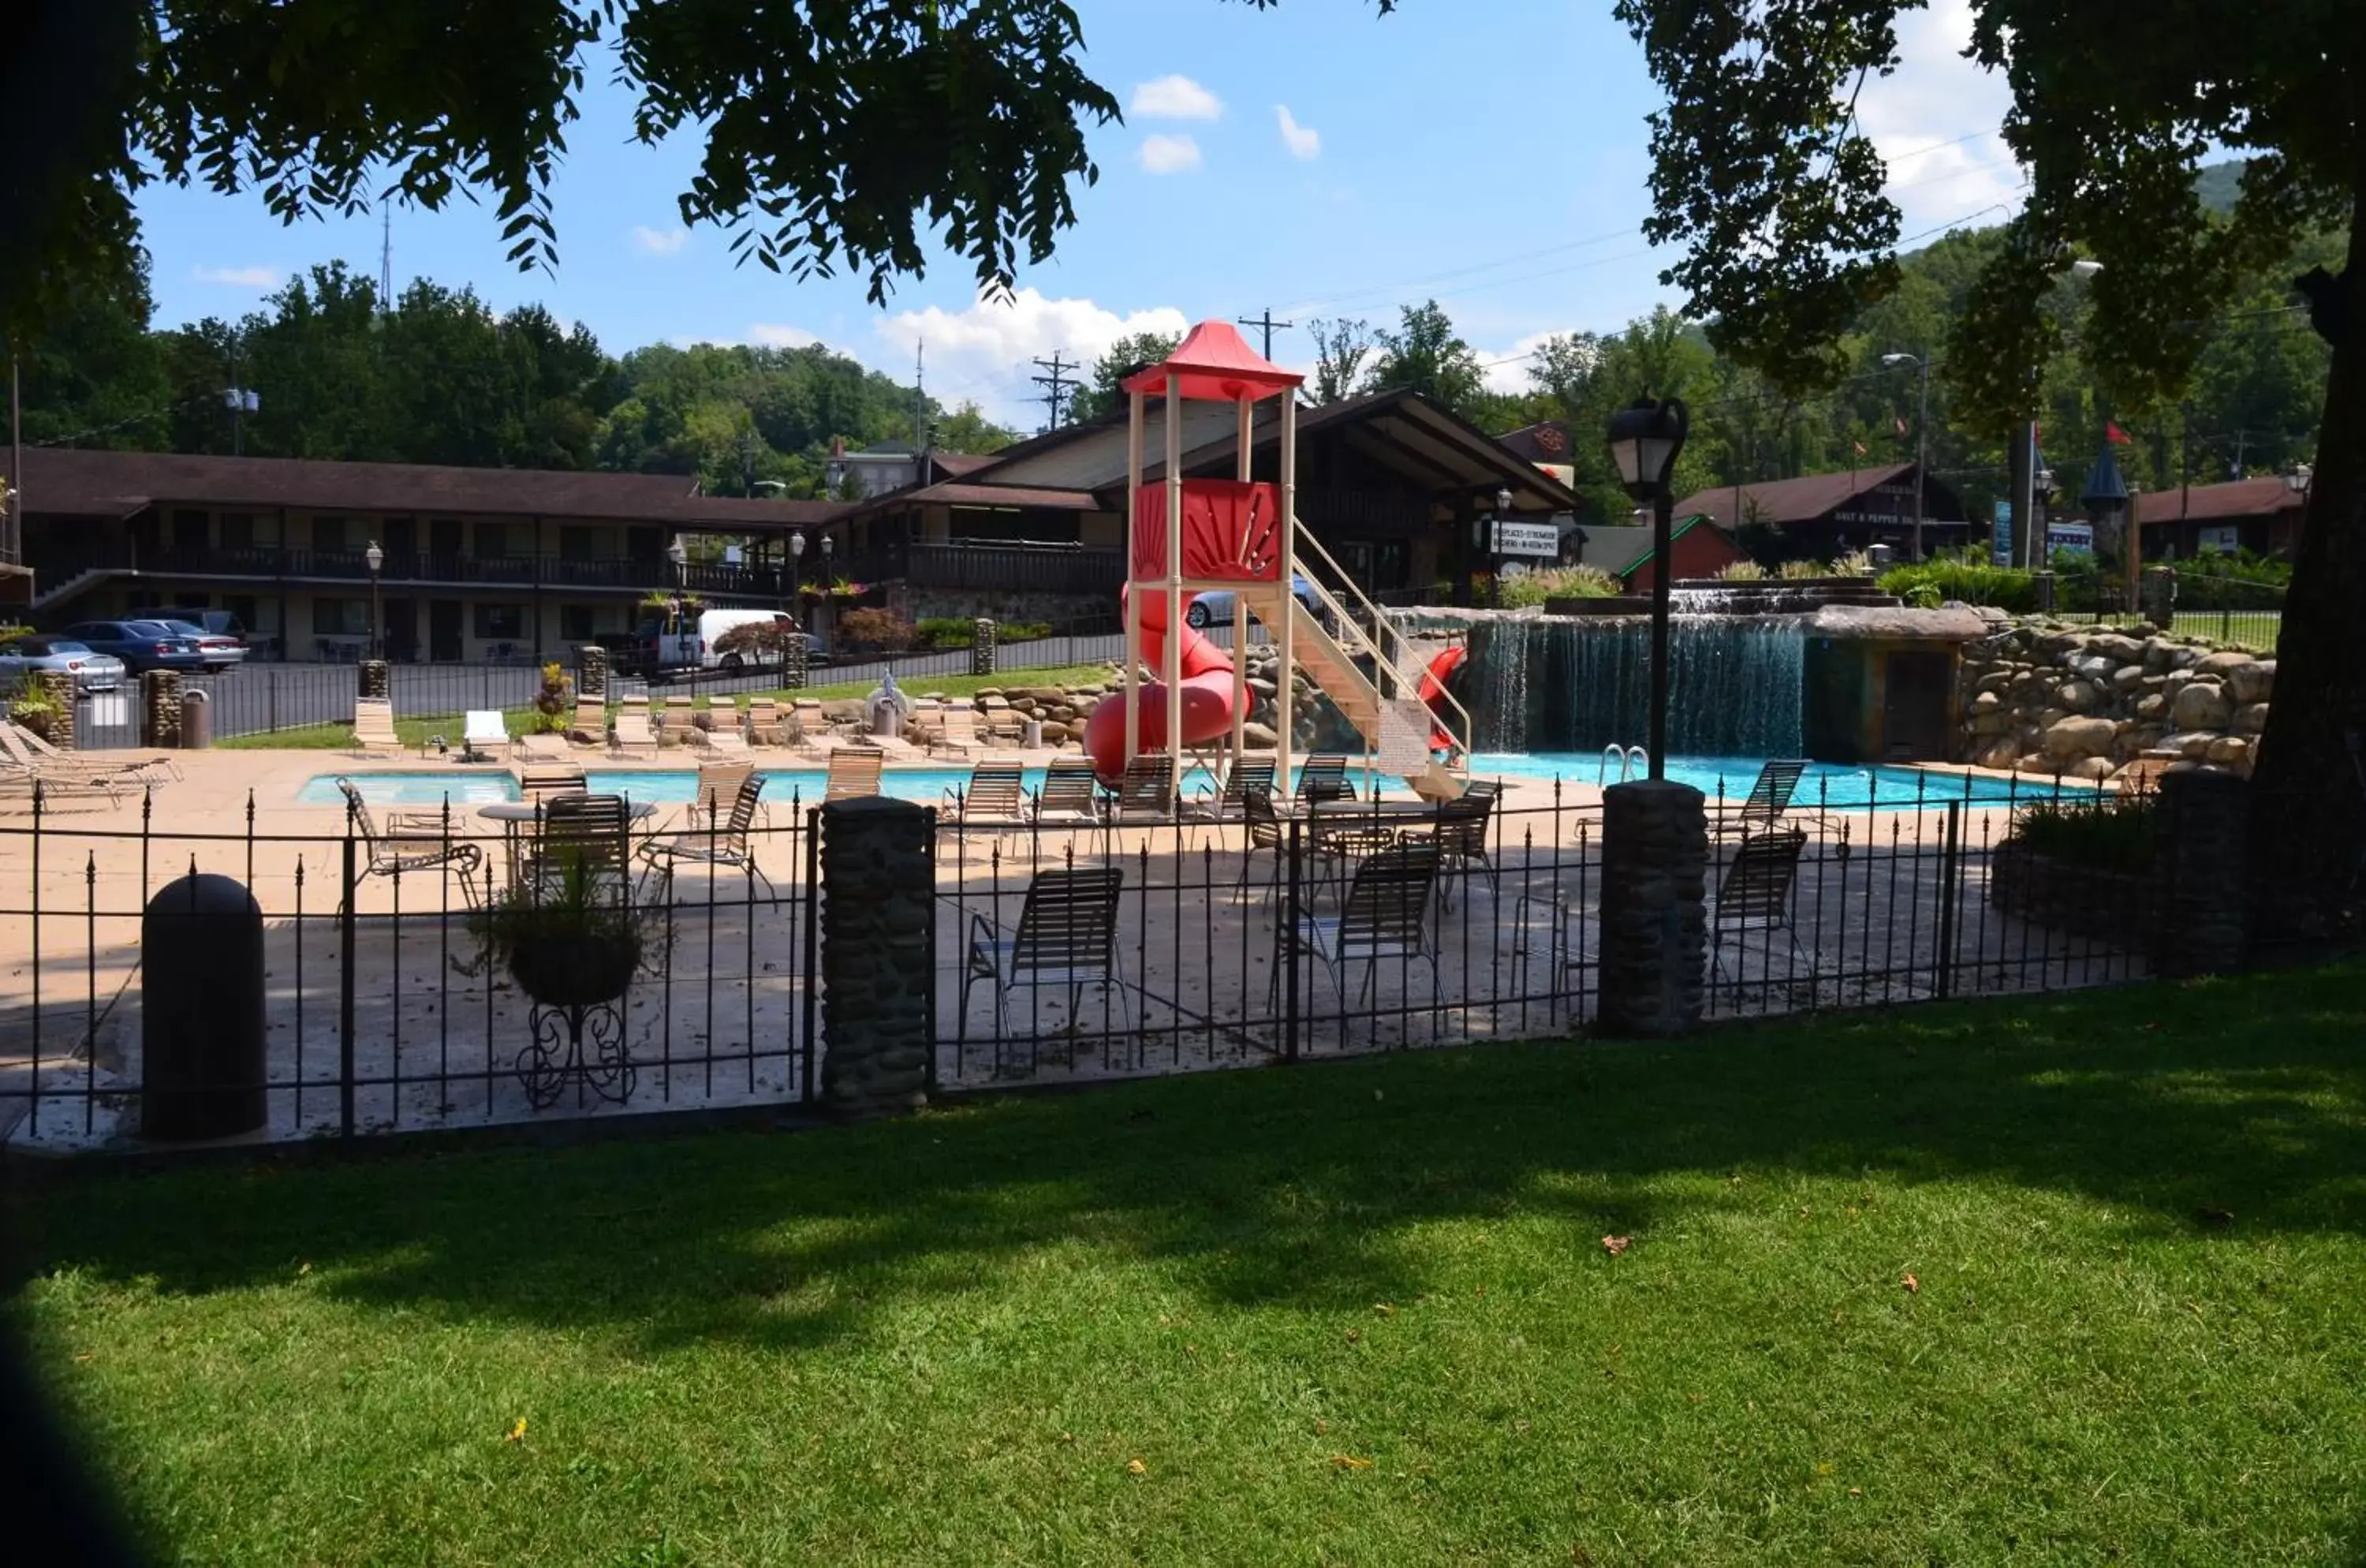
(202, 1010)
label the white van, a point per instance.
(714, 624)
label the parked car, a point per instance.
(215, 623)
(219, 650)
(1215, 608)
(92, 671)
(143, 645)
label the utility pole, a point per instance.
(1056, 383)
(919, 402)
(386, 261)
(1264, 321)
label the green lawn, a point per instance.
(2066, 1281)
(415, 732)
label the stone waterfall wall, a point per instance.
(2044, 697)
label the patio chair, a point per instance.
(717, 786)
(1263, 826)
(1146, 792)
(716, 840)
(1323, 777)
(590, 727)
(1338, 840)
(484, 735)
(853, 774)
(1460, 835)
(956, 732)
(996, 796)
(1384, 916)
(1755, 893)
(374, 733)
(409, 842)
(545, 747)
(1247, 776)
(765, 725)
(1071, 794)
(1003, 722)
(1769, 798)
(25, 749)
(590, 831)
(539, 781)
(1066, 937)
(669, 719)
(721, 739)
(49, 786)
(633, 736)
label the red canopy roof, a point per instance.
(1216, 366)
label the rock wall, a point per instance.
(2046, 698)
(1063, 709)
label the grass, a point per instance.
(415, 732)
(2063, 1280)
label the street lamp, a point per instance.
(376, 558)
(1922, 437)
(1644, 443)
(2297, 477)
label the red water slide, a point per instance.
(1206, 694)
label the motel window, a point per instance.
(328, 533)
(238, 530)
(503, 622)
(341, 617)
(578, 623)
(575, 544)
(492, 542)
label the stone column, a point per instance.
(981, 647)
(796, 658)
(878, 957)
(591, 670)
(1654, 917)
(59, 688)
(375, 682)
(2157, 593)
(2197, 892)
(160, 708)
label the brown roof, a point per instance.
(115, 484)
(1789, 501)
(960, 463)
(2212, 504)
(955, 494)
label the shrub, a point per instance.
(943, 631)
(762, 638)
(555, 703)
(1800, 570)
(1556, 582)
(1022, 631)
(2110, 833)
(881, 629)
(1972, 582)
(30, 705)
(1741, 571)
(1856, 563)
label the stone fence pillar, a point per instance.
(878, 958)
(1654, 915)
(2156, 596)
(982, 649)
(375, 681)
(796, 658)
(58, 686)
(160, 708)
(591, 670)
(2198, 873)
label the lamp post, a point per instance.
(1922, 437)
(793, 599)
(1644, 442)
(376, 558)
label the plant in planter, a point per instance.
(573, 942)
(31, 706)
(555, 703)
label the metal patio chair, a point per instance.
(1460, 835)
(1146, 792)
(1769, 798)
(1262, 825)
(722, 841)
(1323, 777)
(1246, 775)
(1066, 938)
(411, 841)
(853, 773)
(1384, 916)
(1070, 795)
(592, 832)
(1755, 894)
(996, 796)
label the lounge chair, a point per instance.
(1384, 916)
(1003, 722)
(409, 842)
(539, 781)
(1070, 794)
(590, 725)
(15, 777)
(719, 839)
(633, 736)
(1146, 792)
(374, 733)
(485, 735)
(671, 719)
(853, 774)
(25, 749)
(1754, 894)
(1769, 798)
(765, 725)
(717, 786)
(1322, 778)
(956, 732)
(995, 798)
(543, 745)
(1066, 937)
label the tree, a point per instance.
(93, 374)
(1763, 174)
(1341, 349)
(1105, 393)
(966, 429)
(1425, 355)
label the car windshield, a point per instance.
(184, 628)
(50, 646)
(154, 628)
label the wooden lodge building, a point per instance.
(1819, 516)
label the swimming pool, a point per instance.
(1837, 786)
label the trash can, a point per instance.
(196, 719)
(1032, 734)
(202, 1010)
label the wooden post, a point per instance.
(1285, 676)
(1171, 664)
(1132, 686)
(1245, 470)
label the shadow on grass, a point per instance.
(2236, 1106)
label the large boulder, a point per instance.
(2122, 649)
(2252, 683)
(2069, 739)
(2078, 696)
(1260, 737)
(2128, 679)
(2152, 707)
(2094, 667)
(2000, 755)
(2191, 745)
(2097, 768)
(2229, 751)
(2251, 718)
(2222, 664)
(2201, 705)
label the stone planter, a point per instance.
(2108, 906)
(575, 971)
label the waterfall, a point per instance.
(1579, 685)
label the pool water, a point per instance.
(1837, 786)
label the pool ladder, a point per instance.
(1632, 761)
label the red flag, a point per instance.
(1902, 424)
(2115, 435)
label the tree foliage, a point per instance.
(1424, 353)
(1105, 393)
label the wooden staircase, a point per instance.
(1333, 667)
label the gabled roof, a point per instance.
(2214, 504)
(1682, 527)
(1213, 362)
(1789, 501)
(60, 483)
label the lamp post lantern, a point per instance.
(1644, 443)
(1922, 437)
(376, 558)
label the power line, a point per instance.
(1266, 321)
(1057, 384)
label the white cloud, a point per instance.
(241, 277)
(1302, 140)
(770, 334)
(1169, 154)
(981, 352)
(1507, 368)
(1934, 121)
(661, 241)
(1175, 98)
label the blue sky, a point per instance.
(1490, 153)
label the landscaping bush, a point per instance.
(1801, 571)
(1742, 572)
(1967, 578)
(554, 704)
(1555, 582)
(2110, 834)
(881, 630)
(760, 640)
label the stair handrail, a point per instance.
(1395, 663)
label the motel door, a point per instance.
(1914, 708)
(443, 630)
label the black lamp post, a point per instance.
(376, 558)
(1644, 441)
